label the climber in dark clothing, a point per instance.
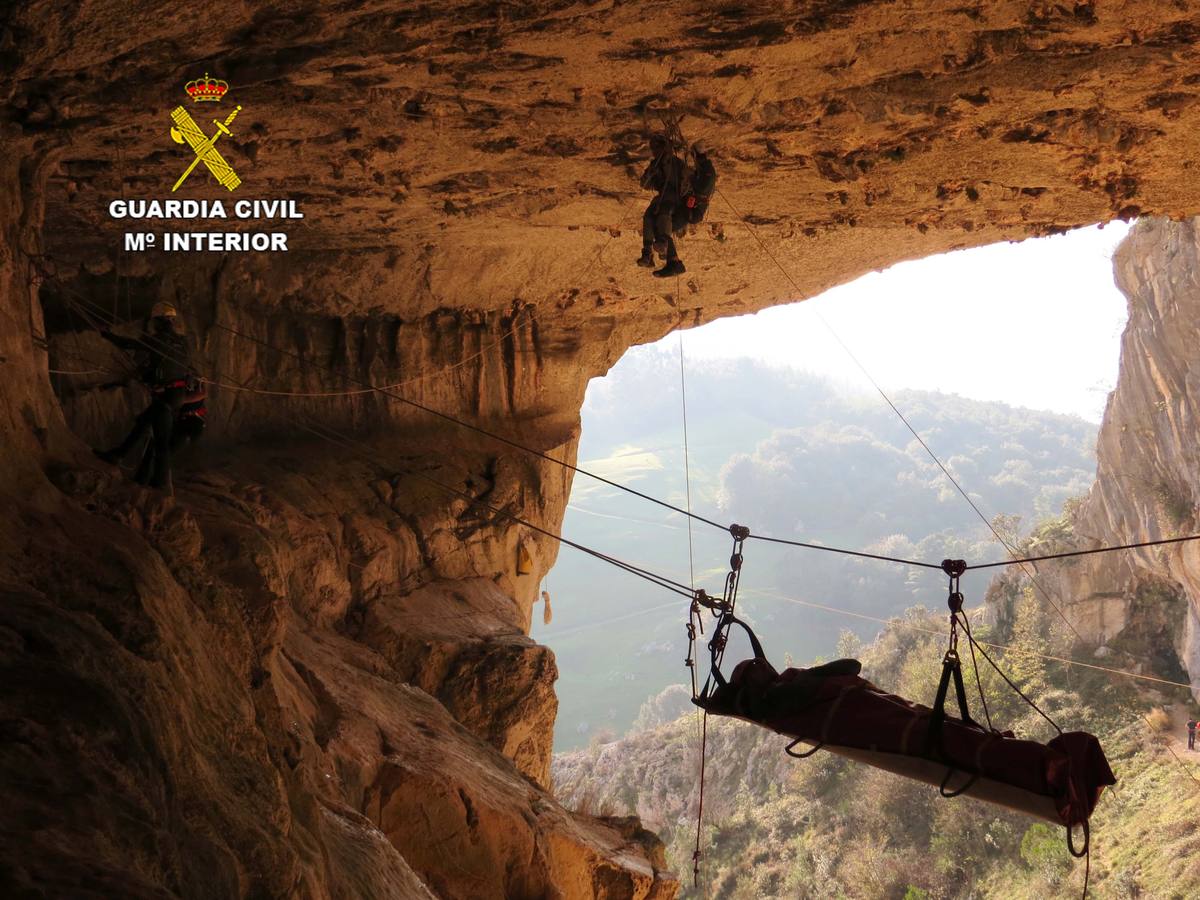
(163, 367)
(187, 428)
(664, 176)
(1191, 727)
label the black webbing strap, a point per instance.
(951, 670)
(721, 635)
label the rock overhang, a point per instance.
(469, 154)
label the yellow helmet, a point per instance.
(163, 310)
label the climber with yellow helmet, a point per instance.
(162, 357)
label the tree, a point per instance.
(1024, 662)
(849, 645)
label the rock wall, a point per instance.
(1148, 467)
(307, 674)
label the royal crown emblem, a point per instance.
(206, 90)
(186, 131)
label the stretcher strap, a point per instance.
(951, 669)
(962, 790)
(720, 635)
(829, 718)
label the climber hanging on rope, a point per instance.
(665, 176)
(161, 353)
(186, 429)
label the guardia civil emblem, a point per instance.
(185, 130)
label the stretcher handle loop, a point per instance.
(788, 749)
(962, 790)
(1087, 840)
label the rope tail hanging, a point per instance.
(693, 609)
(722, 610)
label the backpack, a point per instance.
(700, 186)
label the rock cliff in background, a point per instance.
(307, 675)
(1145, 604)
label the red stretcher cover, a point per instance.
(832, 707)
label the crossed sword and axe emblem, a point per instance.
(186, 130)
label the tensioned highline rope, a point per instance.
(332, 435)
(645, 574)
(954, 481)
(1068, 553)
(150, 341)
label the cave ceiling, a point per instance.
(472, 154)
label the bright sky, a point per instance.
(1034, 324)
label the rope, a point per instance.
(954, 481)
(1032, 559)
(149, 340)
(662, 581)
(485, 433)
(893, 559)
(587, 626)
(1171, 750)
(353, 392)
(975, 667)
(700, 803)
(81, 372)
(897, 623)
(687, 471)
(702, 715)
(1008, 681)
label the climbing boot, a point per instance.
(673, 267)
(646, 260)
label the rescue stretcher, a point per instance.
(831, 707)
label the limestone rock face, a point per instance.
(308, 675)
(240, 696)
(1148, 465)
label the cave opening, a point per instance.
(971, 342)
